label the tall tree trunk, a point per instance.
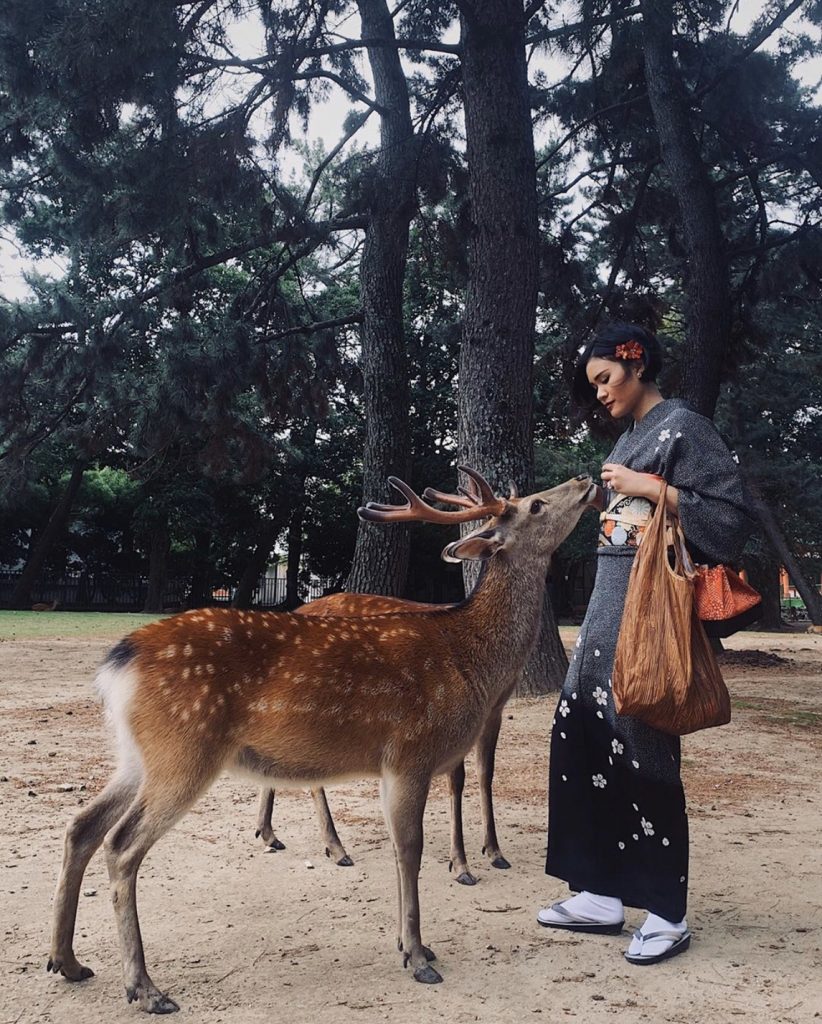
(380, 562)
(813, 601)
(707, 282)
(763, 575)
(201, 576)
(497, 352)
(159, 548)
(52, 531)
(295, 550)
(267, 535)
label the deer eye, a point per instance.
(536, 506)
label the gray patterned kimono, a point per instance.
(617, 820)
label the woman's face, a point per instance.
(617, 385)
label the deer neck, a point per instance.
(498, 622)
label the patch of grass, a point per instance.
(780, 714)
(69, 625)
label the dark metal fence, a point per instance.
(127, 592)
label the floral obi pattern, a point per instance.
(624, 519)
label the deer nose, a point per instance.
(583, 476)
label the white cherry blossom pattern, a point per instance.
(647, 827)
(666, 842)
(635, 807)
(564, 778)
(617, 747)
(635, 764)
(563, 709)
(596, 653)
(664, 435)
(562, 734)
(600, 696)
(635, 837)
(599, 781)
(574, 695)
(600, 715)
(621, 845)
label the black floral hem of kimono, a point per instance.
(617, 818)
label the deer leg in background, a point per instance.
(403, 801)
(458, 862)
(265, 830)
(333, 847)
(486, 748)
(84, 835)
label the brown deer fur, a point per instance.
(359, 605)
(302, 700)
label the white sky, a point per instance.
(327, 118)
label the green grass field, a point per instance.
(69, 625)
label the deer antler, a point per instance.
(477, 501)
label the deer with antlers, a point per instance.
(366, 605)
(302, 700)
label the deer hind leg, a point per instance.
(486, 750)
(403, 801)
(458, 861)
(265, 829)
(153, 811)
(84, 835)
(333, 847)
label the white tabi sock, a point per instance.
(653, 947)
(588, 906)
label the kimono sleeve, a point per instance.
(714, 509)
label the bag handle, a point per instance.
(657, 531)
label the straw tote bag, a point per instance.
(665, 672)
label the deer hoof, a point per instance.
(500, 862)
(427, 975)
(345, 862)
(151, 999)
(429, 953)
(71, 971)
(466, 878)
(274, 846)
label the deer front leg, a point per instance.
(333, 847)
(265, 829)
(84, 835)
(458, 861)
(404, 804)
(486, 748)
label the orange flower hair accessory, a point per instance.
(629, 350)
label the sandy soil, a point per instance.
(238, 935)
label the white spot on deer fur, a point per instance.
(220, 699)
(201, 727)
(204, 689)
(198, 670)
(185, 715)
(210, 669)
(236, 687)
(186, 672)
(211, 627)
(170, 651)
(188, 650)
(281, 636)
(196, 705)
(228, 636)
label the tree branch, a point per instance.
(312, 328)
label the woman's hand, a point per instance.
(628, 481)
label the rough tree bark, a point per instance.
(380, 562)
(497, 352)
(269, 531)
(763, 575)
(813, 601)
(159, 547)
(707, 281)
(295, 550)
(39, 552)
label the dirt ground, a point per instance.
(238, 935)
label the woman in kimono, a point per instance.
(618, 829)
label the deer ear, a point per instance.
(474, 546)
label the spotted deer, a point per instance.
(302, 700)
(359, 605)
